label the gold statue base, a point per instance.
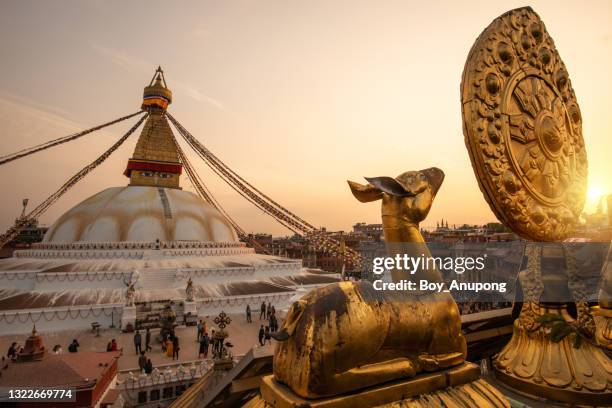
(458, 387)
(533, 365)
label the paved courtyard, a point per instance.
(242, 335)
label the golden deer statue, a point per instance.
(347, 336)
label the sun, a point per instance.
(594, 193)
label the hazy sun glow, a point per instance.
(594, 193)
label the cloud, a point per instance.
(134, 64)
(50, 114)
(35, 115)
(124, 60)
(198, 96)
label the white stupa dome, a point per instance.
(141, 213)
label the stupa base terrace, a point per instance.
(60, 286)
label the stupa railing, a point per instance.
(60, 313)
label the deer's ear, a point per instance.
(390, 186)
(435, 177)
(366, 193)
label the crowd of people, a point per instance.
(212, 343)
(266, 312)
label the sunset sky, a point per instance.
(295, 96)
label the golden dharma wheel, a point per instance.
(523, 128)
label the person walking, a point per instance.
(169, 347)
(262, 312)
(142, 361)
(267, 337)
(148, 368)
(220, 345)
(199, 329)
(164, 342)
(175, 347)
(148, 340)
(204, 343)
(213, 343)
(138, 342)
(268, 310)
(248, 314)
(261, 335)
(273, 323)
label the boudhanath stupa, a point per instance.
(127, 252)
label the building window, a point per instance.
(154, 395)
(167, 392)
(142, 397)
(180, 389)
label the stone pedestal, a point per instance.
(458, 387)
(190, 313)
(128, 317)
(191, 308)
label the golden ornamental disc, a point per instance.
(523, 128)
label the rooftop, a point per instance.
(79, 370)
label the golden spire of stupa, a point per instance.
(155, 161)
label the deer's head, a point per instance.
(406, 198)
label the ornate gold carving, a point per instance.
(523, 128)
(533, 364)
(576, 285)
